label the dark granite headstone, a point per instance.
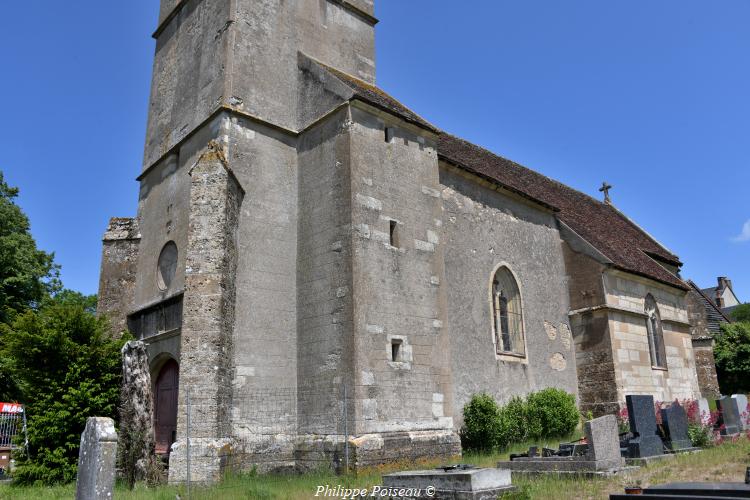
(645, 441)
(729, 418)
(675, 422)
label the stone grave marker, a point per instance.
(601, 458)
(741, 402)
(604, 442)
(645, 441)
(96, 460)
(704, 410)
(675, 422)
(729, 417)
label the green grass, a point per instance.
(722, 463)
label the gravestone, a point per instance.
(675, 422)
(96, 460)
(604, 442)
(729, 417)
(601, 456)
(645, 441)
(704, 410)
(741, 402)
(456, 482)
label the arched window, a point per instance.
(655, 333)
(506, 313)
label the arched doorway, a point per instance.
(165, 406)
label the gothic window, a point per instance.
(655, 333)
(506, 313)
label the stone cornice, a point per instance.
(624, 310)
(345, 4)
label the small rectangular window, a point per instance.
(389, 134)
(394, 233)
(396, 349)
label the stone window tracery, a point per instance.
(506, 313)
(655, 333)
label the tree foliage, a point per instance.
(27, 274)
(741, 313)
(732, 354)
(56, 356)
(67, 368)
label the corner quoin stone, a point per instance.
(96, 460)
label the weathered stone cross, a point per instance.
(605, 189)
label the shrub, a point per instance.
(551, 413)
(482, 425)
(68, 369)
(513, 426)
(701, 435)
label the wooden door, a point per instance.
(165, 406)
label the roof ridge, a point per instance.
(555, 181)
(570, 188)
(605, 227)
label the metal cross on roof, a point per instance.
(605, 189)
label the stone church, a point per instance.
(299, 228)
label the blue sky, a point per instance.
(650, 96)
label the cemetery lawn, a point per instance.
(726, 462)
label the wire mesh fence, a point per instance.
(12, 426)
(269, 432)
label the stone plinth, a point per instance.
(449, 484)
(96, 460)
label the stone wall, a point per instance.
(597, 382)
(242, 54)
(324, 276)
(705, 367)
(696, 311)
(206, 367)
(635, 375)
(484, 228)
(401, 341)
(118, 272)
(705, 364)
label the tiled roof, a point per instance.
(710, 292)
(617, 238)
(714, 316)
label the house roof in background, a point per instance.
(714, 316)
